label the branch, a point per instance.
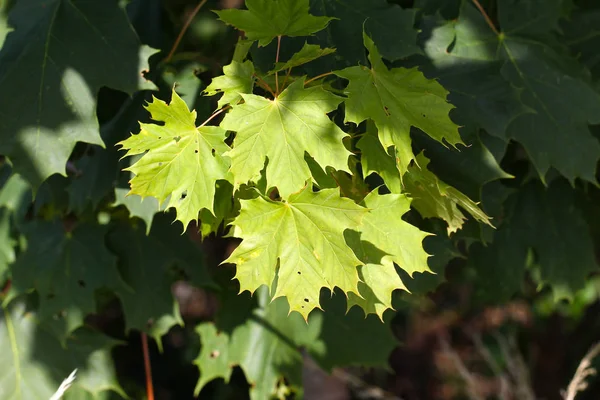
(213, 115)
(486, 17)
(147, 368)
(264, 85)
(317, 77)
(276, 61)
(585, 369)
(184, 29)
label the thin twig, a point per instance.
(213, 115)
(147, 368)
(461, 368)
(264, 85)
(516, 367)
(276, 61)
(362, 388)
(185, 27)
(491, 362)
(585, 369)
(317, 77)
(486, 16)
(286, 78)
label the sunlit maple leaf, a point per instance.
(434, 198)
(396, 99)
(179, 159)
(385, 239)
(266, 19)
(282, 130)
(305, 238)
(308, 53)
(236, 79)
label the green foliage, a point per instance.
(58, 56)
(282, 130)
(353, 149)
(306, 235)
(271, 337)
(267, 19)
(26, 378)
(180, 162)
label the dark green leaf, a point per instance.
(53, 63)
(390, 27)
(65, 268)
(146, 264)
(34, 362)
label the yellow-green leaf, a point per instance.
(300, 243)
(180, 161)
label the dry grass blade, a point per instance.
(584, 370)
(64, 386)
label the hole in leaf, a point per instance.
(81, 283)
(160, 137)
(177, 139)
(424, 115)
(183, 195)
(196, 151)
(299, 273)
(306, 300)
(214, 354)
(212, 152)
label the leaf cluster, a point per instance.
(349, 149)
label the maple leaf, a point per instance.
(385, 239)
(390, 26)
(269, 345)
(237, 79)
(252, 344)
(550, 221)
(431, 197)
(308, 53)
(282, 130)
(146, 261)
(395, 100)
(463, 57)
(143, 209)
(530, 17)
(434, 198)
(35, 361)
(65, 269)
(179, 159)
(306, 236)
(582, 43)
(563, 105)
(266, 19)
(57, 58)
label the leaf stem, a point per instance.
(213, 115)
(184, 29)
(147, 368)
(264, 85)
(486, 16)
(287, 75)
(317, 77)
(276, 61)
